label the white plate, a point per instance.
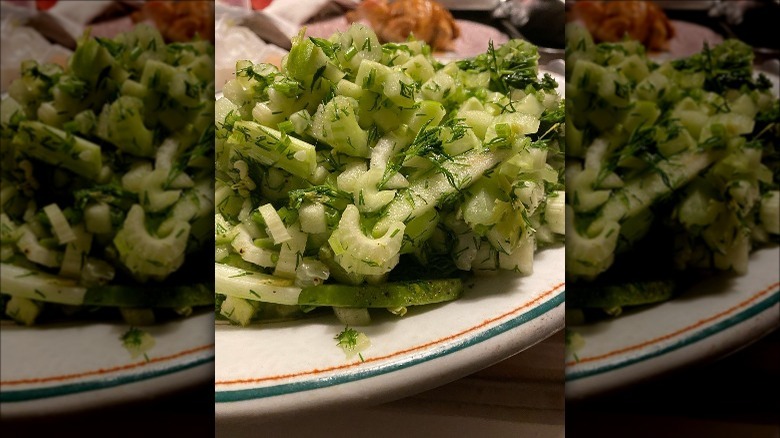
(273, 370)
(722, 314)
(287, 368)
(75, 366)
(689, 39)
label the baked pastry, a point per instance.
(395, 20)
(179, 20)
(613, 21)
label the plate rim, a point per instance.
(78, 387)
(695, 336)
(438, 348)
(92, 386)
(707, 338)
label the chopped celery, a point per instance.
(352, 315)
(252, 285)
(59, 223)
(273, 148)
(238, 310)
(674, 161)
(23, 310)
(147, 255)
(275, 226)
(38, 285)
(59, 148)
(105, 175)
(360, 254)
(357, 152)
(630, 294)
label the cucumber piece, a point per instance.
(147, 255)
(425, 193)
(270, 147)
(352, 342)
(93, 63)
(270, 312)
(336, 123)
(255, 286)
(628, 294)
(428, 115)
(358, 43)
(22, 310)
(11, 112)
(769, 211)
(57, 147)
(361, 254)
(667, 176)
(37, 285)
(122, 124)
(83, 123)
(159, 296)
(238, 310)
(308, 64)
(390, 295)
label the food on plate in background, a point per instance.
(20, 43)
(239, 42)
(396, 20)
(675, 163)
(365, 175)
(614, 21)
(179, 20)
(107, 180)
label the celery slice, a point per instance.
(256, 286)
(38, 285)
(270, 147)
(55, 146)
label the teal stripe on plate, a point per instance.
(695, 337)
(271, 391)
(74, 388)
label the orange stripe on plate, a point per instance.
(397, 353)
(103, 371)
(677, 332)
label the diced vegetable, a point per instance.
(107, 178)
(357, 161)
(676, 161)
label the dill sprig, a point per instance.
(428, 143)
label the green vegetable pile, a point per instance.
(367, 175)
(672, 164)
(107, 179)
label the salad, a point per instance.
(366, 176)
(107, 181)
(674, 164)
